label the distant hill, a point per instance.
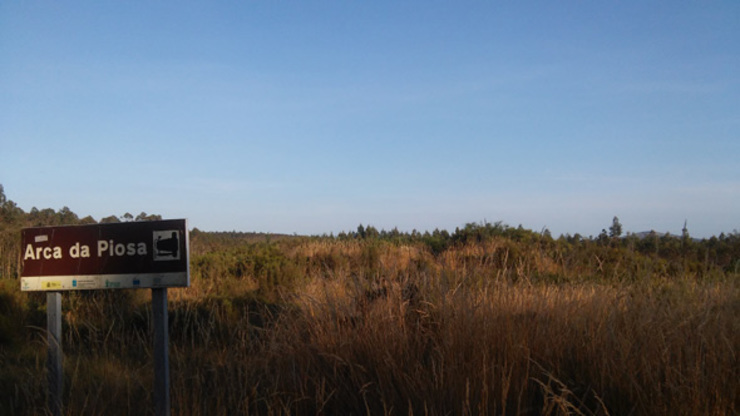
(645, 234)
(247, 237)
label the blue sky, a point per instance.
(313, 117)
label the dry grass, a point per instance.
(381, 329)
(521, 349)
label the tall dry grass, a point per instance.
(520, 349)
(368, 328)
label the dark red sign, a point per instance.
(98, 256)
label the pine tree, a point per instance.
(616, 229)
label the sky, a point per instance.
(312, 117)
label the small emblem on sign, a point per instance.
(109, 284)
(166, 245)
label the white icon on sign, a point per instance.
(166, 245)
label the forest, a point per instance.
(486, 319)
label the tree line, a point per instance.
(699, 256)
(718, 251)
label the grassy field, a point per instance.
(495, 324)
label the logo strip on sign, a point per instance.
(103, 281)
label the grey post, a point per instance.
(161, 352)
(54, 359)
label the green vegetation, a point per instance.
(487, 319)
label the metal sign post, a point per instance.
(133, 255)
(54, 359)
(161, 353)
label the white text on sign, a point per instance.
(77, 250)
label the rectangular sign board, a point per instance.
(128, 255)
